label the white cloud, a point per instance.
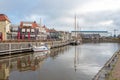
(106, 23)
(34, 17)
(93, 13)
(66, 20)
(97, 6)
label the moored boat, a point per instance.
(41, 48)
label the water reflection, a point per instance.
(20, 63)
(4, 71)
(54, 52)
(27, 62)
(66, 63)
(76, 57)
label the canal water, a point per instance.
(67, 63)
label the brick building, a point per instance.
(28, 31)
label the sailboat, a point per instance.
(75, 41)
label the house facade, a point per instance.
(14, 31)
(5, 33)
(28, 31)
(52, 34)
(64, 35)
(42, 32)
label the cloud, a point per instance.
(106, 23)
(34, 17)
(97, 6)
(60, 13)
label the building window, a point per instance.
(23, 30)
(32, 30)
(28, 30)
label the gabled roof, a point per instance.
(3, 17)
(33, 24)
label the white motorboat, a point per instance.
(41, 48)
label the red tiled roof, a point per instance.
(34, 24)
(3, 17)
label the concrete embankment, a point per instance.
(110, 40)
(105, 71)
(20, 47)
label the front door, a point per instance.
(1, 36)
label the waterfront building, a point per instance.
(42, 32)
(14, 31)
(52, 34)
(28, 31)
(48, 34)
(68, 36)
(4, 27)
(63, 35)
(91, 34)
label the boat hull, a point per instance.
(40, 49)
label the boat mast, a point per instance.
(75, 26)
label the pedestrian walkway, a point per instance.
(115, 73)
(110, 69)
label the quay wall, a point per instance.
(107, 68)
(14, 47)
(112, 40)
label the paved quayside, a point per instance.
(111, 69)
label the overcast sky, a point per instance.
(59, 14)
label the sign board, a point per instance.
(26, 24)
